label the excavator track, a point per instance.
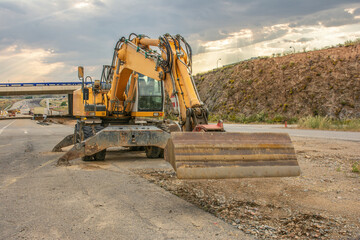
(216, 155)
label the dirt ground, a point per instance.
(323, 203)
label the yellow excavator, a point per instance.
(125, 107)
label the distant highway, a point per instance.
(26, 104)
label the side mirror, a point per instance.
(81, 72)
(85, 94)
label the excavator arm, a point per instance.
(171, 64)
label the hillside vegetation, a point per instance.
(318, 83)
(4, 103)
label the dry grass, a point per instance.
(326, 123)
(4, 103)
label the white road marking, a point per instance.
(3, 128)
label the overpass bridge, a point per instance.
(41, 88)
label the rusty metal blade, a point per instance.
(67, 141)
(196, 155)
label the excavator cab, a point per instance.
(149, 99)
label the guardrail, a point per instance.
(41, 84)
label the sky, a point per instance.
(45, 40)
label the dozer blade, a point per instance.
(116, 136)
(204, 155)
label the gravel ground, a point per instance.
(323, 203)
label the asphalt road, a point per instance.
(99, 200)
(335, 135)
(26, 104)
(103, 200)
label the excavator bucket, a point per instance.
(216, 155)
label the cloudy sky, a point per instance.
(45, 40)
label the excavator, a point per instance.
(125, 108)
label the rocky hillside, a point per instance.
(324, 82)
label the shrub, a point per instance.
(319, 122)
(316, 122)
(278, 118)
(261, 117)
(355, 167)
(285, 107)
(213, 118)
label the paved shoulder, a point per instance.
(41, 201)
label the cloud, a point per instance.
(11, 7)
(83, 32)
(295, 39)
(26, 65)
(328, 18)
(304, 40)
(350, 10)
